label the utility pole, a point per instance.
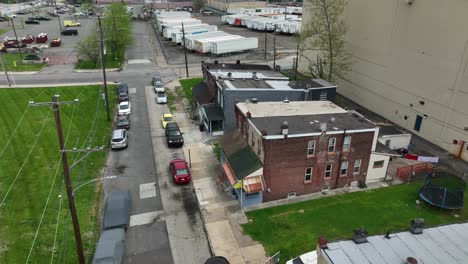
(185, 49)
(66, 170)
(265, 44)
(16, 36)
(297, 61)
(60, 23)
(274, 53)
(104, 69)
(4, 69)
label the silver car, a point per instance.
(161, 98)
(119, 139)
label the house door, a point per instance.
(417, 124)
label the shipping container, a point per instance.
(233, 45)
(167, 31)
(204, 45)
(178, 22)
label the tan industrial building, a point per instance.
(410, 65)
(224, 5)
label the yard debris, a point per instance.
(456, 216)
(301, 211)
(418, 202)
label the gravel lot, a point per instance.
(66, 53)
(285, 45)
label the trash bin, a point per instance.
(202, 127)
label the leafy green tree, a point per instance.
(88, 48)
(117, 29)
(322, 41)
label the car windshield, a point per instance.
(161, 95)
(182, 172)
(124, 106)
(123, 121)
(174, 133)
(168, 118)
(122, 95)
(117, 139)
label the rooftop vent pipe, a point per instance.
(360, 235)
(417, 226)
(284, 128)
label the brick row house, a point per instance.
(301, 148)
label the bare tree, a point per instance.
(322, 41)
(88, 48)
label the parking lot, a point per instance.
(66, 53)
(285, 45)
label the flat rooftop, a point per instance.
(438, 245)
(248, 74)
(293, 108)
(303, 117)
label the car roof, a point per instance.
(179, 164)
(109, 246)
(117, 212)
(124, 103)
(117, 133)
(172, 125)
(167, 114)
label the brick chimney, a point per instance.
(249, 115)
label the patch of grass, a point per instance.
(3, 31)
(187, 85)
(10, 59)
(171, 100)
(217, 150)
(41, 176)
(111, 63)
(286, 229)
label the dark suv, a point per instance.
(173, 135)
(122, 88)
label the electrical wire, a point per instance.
(14, 131)
(56, 230)
(51, 188)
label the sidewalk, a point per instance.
(221, 213)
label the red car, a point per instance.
(28, 39)
(179, 171)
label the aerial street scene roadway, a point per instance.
(233, 132)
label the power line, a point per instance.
(27, 158)
(51, 189)
(14, 132)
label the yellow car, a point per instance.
(166, 118)
(70, 23)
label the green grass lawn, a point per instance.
(9, 61)
(3, 31)
(21, 213)
(187, 85)
(111, 63)
(293, 233)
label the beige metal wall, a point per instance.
(411, 60)
(223, 5)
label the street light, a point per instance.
(93, 180)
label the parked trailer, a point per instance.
(233, 45)
(178, 36)
(172, 14)
(290, 28)
(250, 24)
(167, 31)
(245, 20)
(204, 45)
(229, 19)
(179, 23)
(189, 40)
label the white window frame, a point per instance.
(331, 145)
(345, 168)
(308, 174)
(347, 145)
(311, 148)
(358, 167)
(329, 171)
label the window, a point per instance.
(344, 168)
(328, 170)
(378, 164)
(311, 148)
(347, 143)
(251, 195)
(331, 144)
(308, 174)
(291, 194)
(357, 166)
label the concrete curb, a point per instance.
(99, 70)
(49, 85)
(23, 73)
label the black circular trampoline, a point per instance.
(443, 190)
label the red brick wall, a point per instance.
(286, 160)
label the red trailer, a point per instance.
(41, 38)
(28, 39)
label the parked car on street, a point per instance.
(122, 87)
(28, 39)
(123, 97)
(22, 12)
(179, 171)
(174, 137)
(10, 15)
(158, 84)
(41, 18)
(125, 108)
(123, 122)
(166, 118)
(12, 43)
(69, 32)
(2, 19)
(119, 139)
(32, 21)
(161, 98)
(53, 14)
(117, 210)
(78, 14)
(56, 42)
(110, 247)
